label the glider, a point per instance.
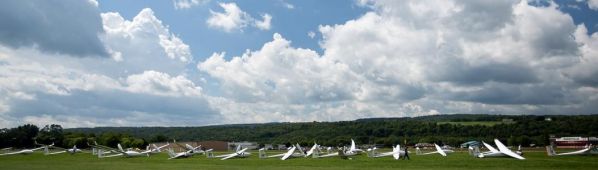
(129, 153)
(28, 151)
(240, 153)
(293, 152)
(71, 151)
(190, 151)
(586, 151)
(439, 150)
(343, 153)
(396, 153)
(501, 152)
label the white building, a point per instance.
(244, 144)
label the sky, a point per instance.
(88, 63)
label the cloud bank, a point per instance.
(401, 58)
(235, 19)
(66, 27)
(408, 58)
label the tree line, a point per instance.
(521, 130)
(26, 136)
(524, 130)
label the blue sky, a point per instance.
(581, 13)
(294, 23)
(205, 62)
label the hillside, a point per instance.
(521, 130)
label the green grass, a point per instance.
(459, 160)
(483, 123)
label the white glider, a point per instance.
(439, 150)
(128, 153)
(312, 150)
(501, 152)
(190, 151)
(586, 151)
(343, 153)
(71, 151)
(240, 153)
(27, 151)
(396, 153)
(293, 152)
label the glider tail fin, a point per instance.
(316, 153)
(397, 153)
(171, 153)
(120, 148)
(370, 152)
(262, 153)
(74, 149)
(100, 153)
(418, 151)
(353, 147)
(470, 150)
(189, 147)
(550, 151)
(46, 151)
(474, 151)
(209, 154)
(519, 150)
(311, 151)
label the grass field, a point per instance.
(459, 160)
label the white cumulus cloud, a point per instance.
(152, 82)
(186, 4)
(265, 23)
(311, 34)
(280, 73)
(287, 4)
(235, 19)
(593, 4)
(143, 43)
(411, 58)
(143, 83)
(401, 58)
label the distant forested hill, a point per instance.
(523, 130)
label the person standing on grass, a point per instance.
(406, 157)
